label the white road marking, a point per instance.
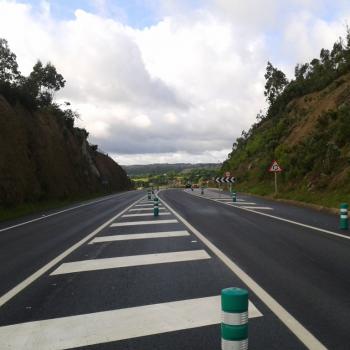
(152, 222)
(144, 209)
(12, 292)
(56, 213)
(289, 221)
(114, 325)
(128, 261)
(307, 338)
(142, 214)
(139, 236)
(146, 205)
(243, 203)
(258, 208)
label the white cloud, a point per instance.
(180, 90)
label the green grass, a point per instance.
(37, 207)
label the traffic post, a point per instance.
(149, 195)
(234, 321)
(344, 221)
(156, 206)
(234, 196)
(202, 190)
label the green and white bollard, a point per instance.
(202, 190)
(156, 207)
(234, 324)
(344, 221)
(234, 196)
(149, 195)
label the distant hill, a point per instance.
(160, 169)
(306, 129)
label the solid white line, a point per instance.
(152, 222)
(287, 220)
(132, 236)
(114, 325)
(142, 214)
(12, 292)
(308, 339)
(128, 261)
(57, 212)
(243, 203)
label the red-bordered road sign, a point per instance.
(275, 168)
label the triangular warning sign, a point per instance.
(275, 168)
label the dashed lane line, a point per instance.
(307, 338)
(17, 289)
(128, 261)
(132, 236)
(114, 325)
(151, 222)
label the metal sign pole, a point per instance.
(276, 189)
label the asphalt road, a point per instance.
(108, 275)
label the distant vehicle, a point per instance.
(195, 186)
(188, 185)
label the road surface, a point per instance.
(108, 275)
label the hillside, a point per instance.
(44, 158)
(160, 169)
(307, 130)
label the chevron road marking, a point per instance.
(114, 325)
(125, 237)
(139, 223)
(128, 261)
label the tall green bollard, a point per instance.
(234, 196)
(344, 221)
(149, 195)
(202, 190)
(156, 207)
(234, 324)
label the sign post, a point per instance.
(275, 168)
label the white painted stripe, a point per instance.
(343, 216)
(128, 261)
(307, 338)
(286, 220)
(142, 214)
(258, 208)
(145, 205)
(144, 209)
(59, 212)
(14, 291)
(139, 236)
(243, 203)
(152, 222)
(114, 325)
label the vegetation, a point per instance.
(306, 128)
(171, 174)
(44, 158)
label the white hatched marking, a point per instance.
(259, 208)
(144, 209)
(128, 261)
(142, 214)
(146, 205)
(114, 325)
(139, 236)
(152, 222)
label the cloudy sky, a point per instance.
(168, 80)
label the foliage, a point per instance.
(323, 152)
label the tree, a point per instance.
(8, 65)
(44, 81)
(275, 83)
